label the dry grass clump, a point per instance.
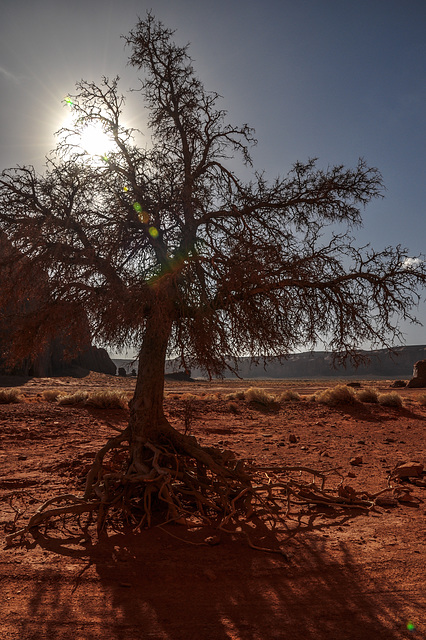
(290, 396)
(422, 399)
(79, 397)
(368, 395)
(108, 400)
(390, 399)
(237, 395)
(341, 394)
(259, 395)
(188, 397)
(50, 395)
(7, 396)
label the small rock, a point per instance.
(22, 457)
(351, 474)
(356, 461)
(398, 384)
(213, 540)
(361, 442)
(408, 470)
(292, 438)
(209, 574)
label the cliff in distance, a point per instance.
(319, 364)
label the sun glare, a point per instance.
(92, 139)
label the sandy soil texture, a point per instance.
(345, 574)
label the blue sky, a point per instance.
(335, 79)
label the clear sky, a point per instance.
(334, 79)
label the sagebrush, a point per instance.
(390, 399)
(8, 396)
(341, 394)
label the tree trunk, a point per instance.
(147, 419)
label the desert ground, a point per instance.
(343, 573)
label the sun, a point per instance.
(94, 141)
(89, 139)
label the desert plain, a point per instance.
(342, 574)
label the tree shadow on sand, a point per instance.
(159, 585)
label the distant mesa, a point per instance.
(379, 363)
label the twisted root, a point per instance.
(179, 481)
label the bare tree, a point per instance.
(166, 247)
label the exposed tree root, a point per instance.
(179, 481)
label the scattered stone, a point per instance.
(386, 501)
(356, 461)
(361, 442)
(351, 474)
(292, 438)
(209, 574)
(346, 491)
(408, 470)
(354, 385)
(213, 541)
(398, 384)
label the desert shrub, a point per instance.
(79, 397)
(341, 394)
(367, 395)
(237, 395)
(422, 399)
(290, 396)
(108, 400)
(390, 399)
(188, 397)
(51, 394)
(7, 396)
(260, 395)
(211, 397)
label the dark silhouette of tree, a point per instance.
(166, 247)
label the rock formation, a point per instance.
(62, 343)
(418, 381)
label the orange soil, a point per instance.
(346, 575)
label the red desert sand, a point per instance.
(347, 574)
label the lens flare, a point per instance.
(142, 215)
(411, 626)
(153, 232)
(69, 101)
